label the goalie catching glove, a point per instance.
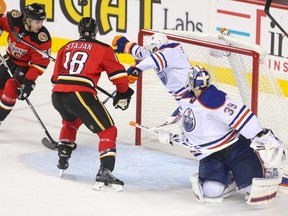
(269, 147)
(122, 100)
(171, 131)
(122, 44)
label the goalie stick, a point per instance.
(51, 144)
(267, 12)
(176, 140)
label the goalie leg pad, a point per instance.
(283, 186)
(263, 191)
(215, 196)
(197, 187)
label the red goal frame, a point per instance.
(255, 72)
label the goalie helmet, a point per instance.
(198, 78)
(34, 11)
(156, 41)
(88, 27)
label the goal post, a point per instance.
(236, 67)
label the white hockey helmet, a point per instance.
(198, 78)
(155, 41)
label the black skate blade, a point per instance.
(49, 144)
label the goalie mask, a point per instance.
(88, 27)
(198, 78)
(34, 11)
(155, 42)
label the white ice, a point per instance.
(156, 183)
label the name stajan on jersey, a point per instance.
(80, 63)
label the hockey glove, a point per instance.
(19, 74)
(25, 89)
(165, 137)
(122, 100)
(133, 73)
(269, 147)
(122, 44)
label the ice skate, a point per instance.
(105, 181)
(64, 153)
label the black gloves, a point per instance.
(122, 100)
(25, 86)
(25, 89)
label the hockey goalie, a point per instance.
(234, 151)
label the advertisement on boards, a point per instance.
(127, 17)
(249, 22)
(114, 17)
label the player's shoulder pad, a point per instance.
(212, 97)
(41, 37)
(16, 18)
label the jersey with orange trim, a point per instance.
(213, 120)
(169, 62)
(20, 53)
(80, 63)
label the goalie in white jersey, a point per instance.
(219, 132)
(167, 59)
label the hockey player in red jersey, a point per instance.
(24, 62)
(78, 67)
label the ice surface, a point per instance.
(156, 183)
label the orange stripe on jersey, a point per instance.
(160, 59)
(224, 141)
(241, 119)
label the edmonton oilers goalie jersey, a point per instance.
(170, 64)
(212, 121)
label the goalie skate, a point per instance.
(105, 181)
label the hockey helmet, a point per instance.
(88, 27)
(34, 11)
(198, 78)
(156, 41)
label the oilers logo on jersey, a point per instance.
(162, 76)
(189, 121)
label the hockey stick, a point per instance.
(142, 127)
(51, 143)
(113, 94)
(267, 12)
(18, 37)
(185, 143)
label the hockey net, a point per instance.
(237, 67)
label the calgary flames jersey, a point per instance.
(80, 63)
(20, 53)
